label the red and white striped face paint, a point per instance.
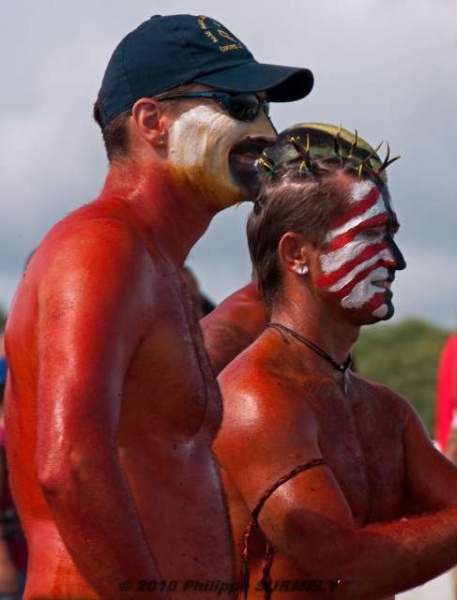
(359, 255)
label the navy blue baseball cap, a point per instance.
(167, 51)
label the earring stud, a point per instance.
(301, 269)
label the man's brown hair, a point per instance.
(115, 134)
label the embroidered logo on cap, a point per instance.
(217, 33)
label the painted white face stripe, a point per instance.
(200, 140)
(341, 283)
(381, 312)
(360, 190)
(364, 290)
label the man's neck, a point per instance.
(146, 190)
(329, 331)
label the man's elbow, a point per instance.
(60, 474)
(330, 552)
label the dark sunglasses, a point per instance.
(243, 107)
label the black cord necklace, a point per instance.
(342, 368)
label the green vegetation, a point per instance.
(2, 318)
(404, 356)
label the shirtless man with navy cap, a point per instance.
(111, 398)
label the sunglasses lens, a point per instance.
(245, 107)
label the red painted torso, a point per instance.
(359, 436)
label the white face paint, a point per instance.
(200, 142)
(359, 253)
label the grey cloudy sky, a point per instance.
(385, 67)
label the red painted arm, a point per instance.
(88, 327)
(268, 430)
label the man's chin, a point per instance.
(370, 316)
(247, 183)
(390, 312)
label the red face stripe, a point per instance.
(348, 236)
(375, 302)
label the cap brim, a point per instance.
(283, 84)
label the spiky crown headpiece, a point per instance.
(306, 141)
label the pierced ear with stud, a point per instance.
(292, 253)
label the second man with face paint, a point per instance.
(333, 483)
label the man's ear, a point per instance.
(292, 252)
(148, 119)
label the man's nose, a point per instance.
(400, 262)
(267, 118)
